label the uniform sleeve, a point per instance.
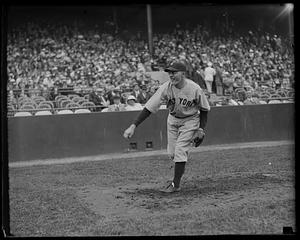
(154, 102)
(203, 102)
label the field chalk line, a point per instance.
(131, 155)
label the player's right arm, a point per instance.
(151, 106)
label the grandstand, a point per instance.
(49, 58)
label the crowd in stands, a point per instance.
(51, 60)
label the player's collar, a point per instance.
(184, 82)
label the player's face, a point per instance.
(176, 77)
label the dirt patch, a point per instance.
(210, 196)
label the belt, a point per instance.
(183, 117)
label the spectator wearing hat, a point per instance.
(113, 92)
(96, 96)
(143, 96)
(132, 105)
(117, 105)
(209, 74)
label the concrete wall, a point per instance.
(58, 136)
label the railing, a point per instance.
(96, 108)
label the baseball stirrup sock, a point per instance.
(178, 172)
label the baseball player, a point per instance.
(185, 126)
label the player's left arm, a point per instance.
(204, 109)
(203, 119)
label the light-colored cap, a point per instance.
(130, 97)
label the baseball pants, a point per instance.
(180, 136)
(209, 86)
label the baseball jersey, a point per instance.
(181, 103)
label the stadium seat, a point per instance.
(44, 106)
(265, 96)
(44, 103)
(66, 111)
(27, 102)
(282, 93)
(82, 111)
(274, 101)
(82, 101)
(71, 96)
(10, 107)
(57, 98)
(77, 99)
(38, 99)
(20, 99)
(40, 113)
(64, 103)
(72, 105)
(22, 114)
(27, 107)
(60, 98)
(262, 102)
(104, 110)
(275, 96)
(50, 103)
(89, 105)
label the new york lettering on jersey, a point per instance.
(181, 102)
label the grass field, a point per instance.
(233, 191)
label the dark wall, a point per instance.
(58, 136)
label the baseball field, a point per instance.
(249, 190)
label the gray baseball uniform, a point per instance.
(183, 120)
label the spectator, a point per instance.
(228, 82)
(113, 92)
(132, 105)
(197, 77)
(209, 74)
(40, 56)
(96, 96)
(219, 81)
(117, 105)
(136, 91)
(143, 96)
(251, 99)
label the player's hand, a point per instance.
(129, 131)
(198, 137)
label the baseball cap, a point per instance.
(176, 67)
(130, 97)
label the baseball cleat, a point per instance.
(171, 188)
